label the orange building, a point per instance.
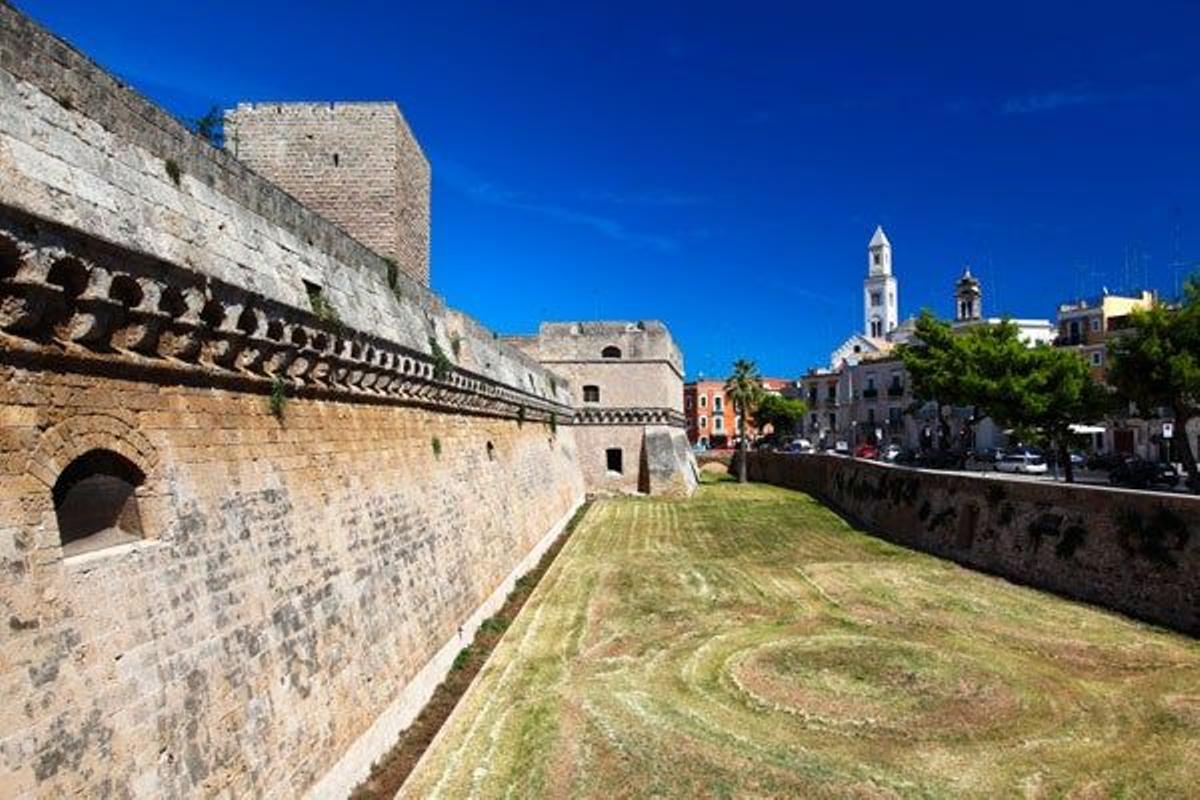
(712, 421)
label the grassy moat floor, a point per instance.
(748, 642)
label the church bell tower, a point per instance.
(968, 298)
(880, 302)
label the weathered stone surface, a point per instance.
(1134, 552)
(297, 577)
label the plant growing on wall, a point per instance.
(441, 362)
(436, 444)
(322, 308)
(278, 397)
(173, 171)
(211, 127)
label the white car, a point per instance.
(1025, 463)
(802, 446)
(841, 448)
(891, 452)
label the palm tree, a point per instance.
(744, 388)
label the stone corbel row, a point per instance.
(48, 293)
(629, 416)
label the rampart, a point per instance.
(1133, 552)
(323, 479)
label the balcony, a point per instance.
(895, 390)
(870, 393)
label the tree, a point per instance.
(744, 389)
(1041, 390)
(1156, 364)
(783, 414)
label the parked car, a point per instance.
(866, 451)
(841, 448)
(1023, 462)
(1105, 461)
(799, 446)
(938, 459)
(1137, 473)
(892, 453)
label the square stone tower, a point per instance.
(356, 164)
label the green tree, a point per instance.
(1041, 390)
(783, 414)
(1156, 364)
(744, 390)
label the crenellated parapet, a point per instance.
(67, 295)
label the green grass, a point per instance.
(750, 643)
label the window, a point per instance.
(718, 424)
(717, 404)
(1095, 324)
(832, 421)
(612, 457)
(876, 298)
(894, 415)
(871, 383)
(1074, 331)
(875, 258)
(591, 394)
(704, 422)
(95, 502)
(611, 351)
(687, 402)
(813, 421)
(1097, 358)
(871, 416)
(703, 400)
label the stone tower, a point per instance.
(968, 298)
(356, 164)
(880, 305)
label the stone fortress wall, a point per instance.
(326, 479)
(1133, 552)
(357, 164)
(626, 380)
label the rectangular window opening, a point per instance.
(613, 458)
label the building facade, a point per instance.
(712, 419)
(626, 381)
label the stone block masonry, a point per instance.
(295, 579)
(1133, 552)
(358, 164)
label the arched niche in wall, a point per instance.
(612, 351)
(95, 502)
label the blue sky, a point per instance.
(721, 166)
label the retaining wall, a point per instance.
(1133, 552)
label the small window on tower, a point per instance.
(613, 458)
(875, 258)
(876, 299)
(336, 160)
(591, 394)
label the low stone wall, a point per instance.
(1133, 552)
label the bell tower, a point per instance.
(968, 298)
(880, 295)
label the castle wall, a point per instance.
(1133, 552)
(357, 164)
(297, 578)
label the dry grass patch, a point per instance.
(749, 643)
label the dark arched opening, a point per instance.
(612, 351)
(95, 502)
